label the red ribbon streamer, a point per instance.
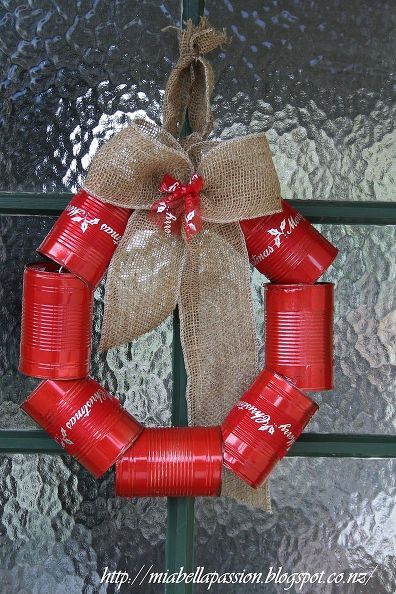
(179, 199)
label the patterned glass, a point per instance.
(60, 528)
(332, 515)
(317, 77)
(71, 74)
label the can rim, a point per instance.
(48, 268)
(42, 386)
(299, 396)
(49, 375)
(67, 269)
(296, 285)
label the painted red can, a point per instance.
(172, 462)
(85, 237)
(299, 333)
(263, 425)
(56, 323)
(286, 248)
(84, 419)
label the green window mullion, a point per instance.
(336, 212)
(326, 445)
(179, 550)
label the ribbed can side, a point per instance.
(263, 425)
(85, 237)
(56, 323)
(172, 462)
(285, 247)
(87, 421)
(299, 333)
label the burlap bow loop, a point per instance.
(191, 81)
(206, 273)
(240, 181)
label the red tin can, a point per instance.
(263, 425)
(85, 420)
(85, 237)
(286, 248)
(299, 333)
(56, 323)
(172, 462)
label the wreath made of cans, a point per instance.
(91, 425)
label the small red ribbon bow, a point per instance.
(167, 213)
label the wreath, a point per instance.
(176, 220)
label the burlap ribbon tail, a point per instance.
(209, 276)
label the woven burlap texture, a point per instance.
(209, 277)
(190, 83)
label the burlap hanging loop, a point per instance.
(190, 84)
(209, 276)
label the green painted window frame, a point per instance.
(180, 522)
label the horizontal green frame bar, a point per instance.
(344, 445)
(309, 445)
(30, 203)
(334, 212)
(345, 212)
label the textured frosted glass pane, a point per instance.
(317, 77)
(71, 73)
(60, 528)
(365, 331)
(140, 374)
(330, 515)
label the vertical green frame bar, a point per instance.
(180, 523)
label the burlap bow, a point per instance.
(209, 276)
